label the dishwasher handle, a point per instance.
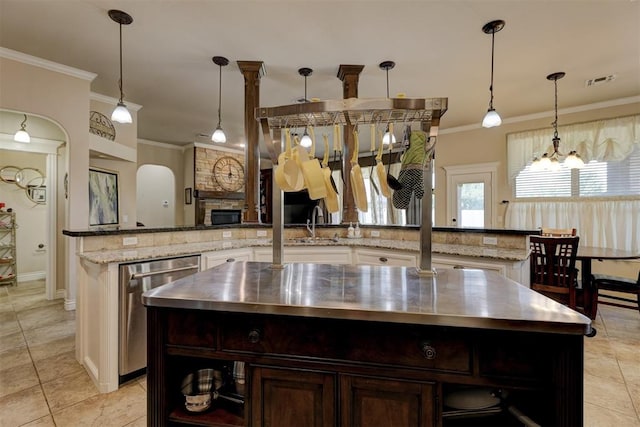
(157, 272)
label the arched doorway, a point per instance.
(155, 199)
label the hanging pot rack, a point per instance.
(351, 111)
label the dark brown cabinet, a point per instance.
(292, 398)
(323, 372)
(371, 402)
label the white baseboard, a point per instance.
(69, 304)
(35, 275)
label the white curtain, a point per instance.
(602, 140)
(611, 223)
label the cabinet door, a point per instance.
(212, 259)
(292, 398)
(373, 402)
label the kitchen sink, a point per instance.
(313, 240)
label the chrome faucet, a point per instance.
(312, 229)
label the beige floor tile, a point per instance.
(140, 422)
(53, 348)
(49, 333)
(599, 416)
(28, 301)
(41, 422)
(5, 305)
(22, 407)
(627, 350)
(24, 288)
(42, 316)
(12, 341)
(143, 382)
(9, 327)
(605, 367)
(14, 357)
(57, 366)
(113, 409)
(17, 378)
(68, 390)
(608, 394)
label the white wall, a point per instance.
(156, 200)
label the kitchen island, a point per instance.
(351, 345)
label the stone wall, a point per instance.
(205, 158)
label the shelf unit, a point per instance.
(8, 266)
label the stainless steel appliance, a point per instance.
(135, 279)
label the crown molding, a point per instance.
(161, 144)
(217, 148)
(46, 64)
(545, 114)
(110, 100)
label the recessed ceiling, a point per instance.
(439, 49)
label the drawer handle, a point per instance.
(428, 351)
(254, 336)
(459, 267)
(383, 259)
(231, 260)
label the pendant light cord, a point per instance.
(555, 121)
(493, 36)
(120, 82)
(387, 70)
(220, 96)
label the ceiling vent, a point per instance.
(600, 80)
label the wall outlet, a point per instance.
(375, 233)
(489, 240)
(126, 241)
(226, 234)
(262, 233)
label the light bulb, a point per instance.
(219, 136)
(121, 114)
(305, 141)
(491, 119)
(545, 162)
(22, 136)
(387, 136)
(573, 161)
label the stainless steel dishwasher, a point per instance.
(135, 279)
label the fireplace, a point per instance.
(226, 216)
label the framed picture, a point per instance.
(187, 196)
(37, 194)
(103, 197)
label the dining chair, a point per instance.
(553, 268)
(618, 285)
(558, 232)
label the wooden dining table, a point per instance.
(585, 255)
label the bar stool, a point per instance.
(618, 284)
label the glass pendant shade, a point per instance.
(305, 141)
(545, 162)
(22, 136)
(554, 164)
(388, 138)
(121, 114)
(219, 136)
(574, 161)
(491, 119)
(535, 165)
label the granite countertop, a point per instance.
(459, 298)
(128, 255)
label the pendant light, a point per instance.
(218, 134)
(120, 113)
(388, 137)
(22, 135)
(492, 118)
(551, 161)
(305, 141)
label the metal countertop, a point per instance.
(457, 298)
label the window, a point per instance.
(596, 178)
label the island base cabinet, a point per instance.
(371, 402)
(292, 398)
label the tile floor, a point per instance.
(41, 384)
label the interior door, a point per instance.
(471, 201)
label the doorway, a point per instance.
(471, 194)
(155, 196)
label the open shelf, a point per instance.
(217, 416)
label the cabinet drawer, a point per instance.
(202, 328)
(373, 257)
(280, 336)
(420, 347)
